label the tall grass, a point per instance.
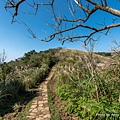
(87, 90)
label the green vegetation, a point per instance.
(87, 89)
(23, 113)
(104, 53)
(19, 77)
(87, 84)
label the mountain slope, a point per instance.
(83, 85)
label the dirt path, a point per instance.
(39, 109)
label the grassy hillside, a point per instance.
(88, 84)
(84, 85)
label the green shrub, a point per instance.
(15, 87)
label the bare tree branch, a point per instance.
(80, 5)
(106, 8)
(11, 4)
(33, 34)
(65, 26)
(105, 3)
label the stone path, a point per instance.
(39, 109)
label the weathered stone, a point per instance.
(37, 118)
(30, 117)
(40, 102)
(30, 110)
(31, 114)
(47, 116)
(35, 110)
(40, 116)
(47, 108)
(39, 109)
(33, 106)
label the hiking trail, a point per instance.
(39, 109)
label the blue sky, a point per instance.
(14, 37)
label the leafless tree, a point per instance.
(2, 57)
(2, 61)
(80, 12)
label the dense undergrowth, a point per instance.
(24, 74)
(90, 92)
(88, 83)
